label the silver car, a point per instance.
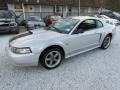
(8, 22)
(66, 38)
(34, 22)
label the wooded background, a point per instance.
(108, 4)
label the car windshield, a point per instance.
(117, 14)
(5, 14)
(65, 26)
(34, 18)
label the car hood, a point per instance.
(36, 23)
(35, 37)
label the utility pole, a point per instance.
(23, 10)
(79, 7)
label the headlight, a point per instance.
(29, 24)
(24, 50)
(13, 24)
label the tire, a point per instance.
(51, 58)
(106, 42)
(16, 31)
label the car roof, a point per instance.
(84, 17)
(33, 16)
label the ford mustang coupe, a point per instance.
(69, 37)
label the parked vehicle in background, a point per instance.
(8, 22)
(111, 14)
(108, 19)
(70, 37)
(21, 20)
(51, 19)
(117, 14)
(34, 22)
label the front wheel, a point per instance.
(51, 58)
(15, 30)
(106, 42)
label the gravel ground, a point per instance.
(94, 70)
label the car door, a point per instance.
(86, 36)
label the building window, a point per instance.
(58, 10)
(18, 8)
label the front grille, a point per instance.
(4, 25)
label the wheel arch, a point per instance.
(102, 44)
(52, 46)
(110, 34)
(106, 34)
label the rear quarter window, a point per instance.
(99, 24)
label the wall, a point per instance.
(46, 8)
(11, 7)
(65, 11)
(49, 10)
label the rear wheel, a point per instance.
(106, 42)
(51, 58)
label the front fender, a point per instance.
(39, 49)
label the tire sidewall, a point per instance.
(102, 46)
(42, 59)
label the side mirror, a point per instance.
(81, 31)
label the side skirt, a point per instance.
(82, 51)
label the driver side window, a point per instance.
(85, 26)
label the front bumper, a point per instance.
(8, 28)
(22, 59)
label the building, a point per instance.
(50, 7)
(3, 5)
